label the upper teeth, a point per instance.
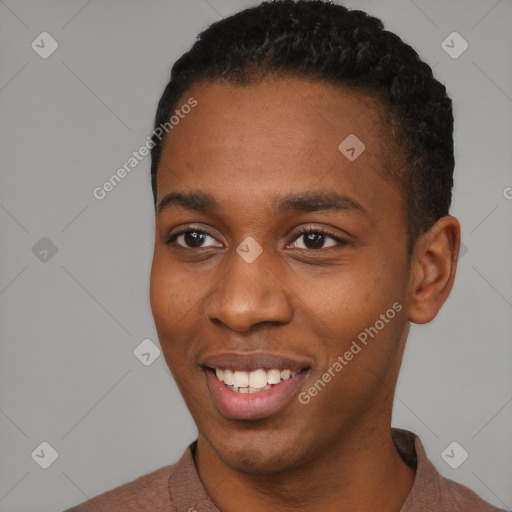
(256, 379)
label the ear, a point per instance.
(433, 266)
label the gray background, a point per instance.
(69, 325)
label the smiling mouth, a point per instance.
(256, 381)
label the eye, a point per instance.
(316, 238)
(192, 238)
(312, 238)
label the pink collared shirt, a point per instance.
(177, 488)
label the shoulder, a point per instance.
(431, 490)
(456, 496)
(148, 492)
(167, 489)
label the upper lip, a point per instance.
(247, 361)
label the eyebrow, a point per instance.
(299, 203)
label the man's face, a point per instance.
(260, 153)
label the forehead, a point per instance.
(282, 134)
(287, 111)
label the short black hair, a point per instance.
(329, 43)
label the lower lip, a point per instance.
(251, 406)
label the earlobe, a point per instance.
(433, 266)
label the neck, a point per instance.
(359, 473)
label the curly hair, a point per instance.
(322, 41)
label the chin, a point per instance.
(254, 462)
(259, 453)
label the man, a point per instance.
(302, 167)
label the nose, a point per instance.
(249, 294)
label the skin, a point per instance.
(245, 146)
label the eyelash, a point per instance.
(323, 231)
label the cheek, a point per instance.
(347, 300)
(176, 298)
(168, 304)
(360, 323)
(172, 294)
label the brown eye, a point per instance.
(193, 239)
(316, 239)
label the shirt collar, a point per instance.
(187, 493)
